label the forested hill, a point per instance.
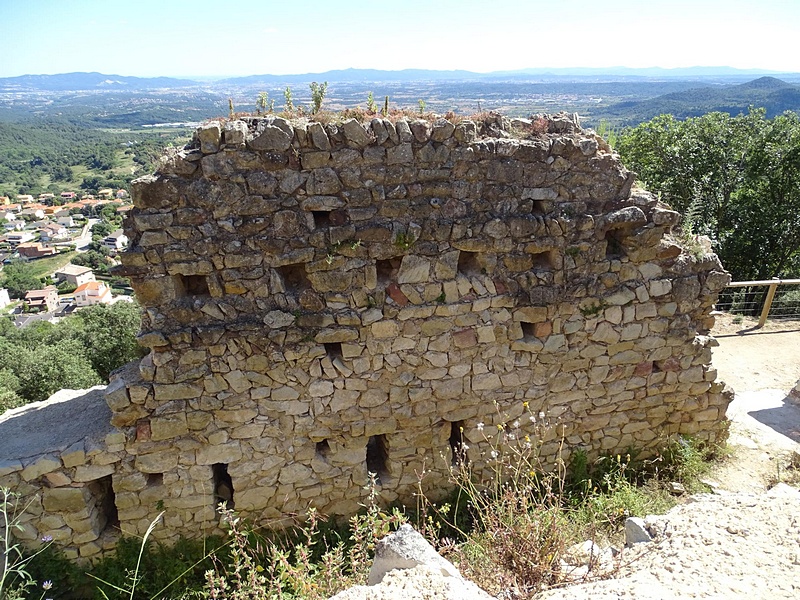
(774, 95)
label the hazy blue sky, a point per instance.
(243, 37)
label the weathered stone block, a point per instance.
(65, 500)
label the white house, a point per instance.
(14, 225)
(36, 213)
(74, 274)
(19, 237)
(66, 221)
(52, 232)
(4, 299)
(116, 241)
(91, 293)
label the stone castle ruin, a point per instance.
(322, 301)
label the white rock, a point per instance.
(406, 549)
(636, 531)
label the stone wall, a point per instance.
(59, 456)
(324, 300)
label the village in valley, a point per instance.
(38, 228)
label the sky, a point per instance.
(205, 38)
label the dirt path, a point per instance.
(762, 366)
(750, 359)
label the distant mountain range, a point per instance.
(770, 93)
(100, 81)
(619, 96)
(90, 81)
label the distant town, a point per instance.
(36, 228)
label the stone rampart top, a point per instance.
(267, 220)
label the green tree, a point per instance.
(108, 333)
(764, 236)
(9, 386)
(737, 178)
(18, 277)
(96, 258)
(44, 370)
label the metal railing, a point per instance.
(762, 298)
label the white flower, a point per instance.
(493, 453)
(480, 426)
(515, 424)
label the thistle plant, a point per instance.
(261, 103)
(317, 95)
(287, 94)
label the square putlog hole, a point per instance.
(193, 285)
(468, 264)
(543, 261)
(294, 277)
(323, 449)
(333, 349)
(614, 246)
(386, 270)
(322, 218)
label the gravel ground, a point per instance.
(717, 546)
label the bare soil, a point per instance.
(762, 365)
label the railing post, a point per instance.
(768, 302)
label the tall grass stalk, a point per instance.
(14, 576)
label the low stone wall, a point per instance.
(59, 457)
(398, 297)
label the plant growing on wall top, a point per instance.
(317, 95)
(287, 94)
(261, 103)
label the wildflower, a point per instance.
(47, 538)
(499, 427)
(493, 453)
(46, 585)
(541, 414)
(480, 426)
(532, 419)
(515, 424)
(525, 404)
(464, 447)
